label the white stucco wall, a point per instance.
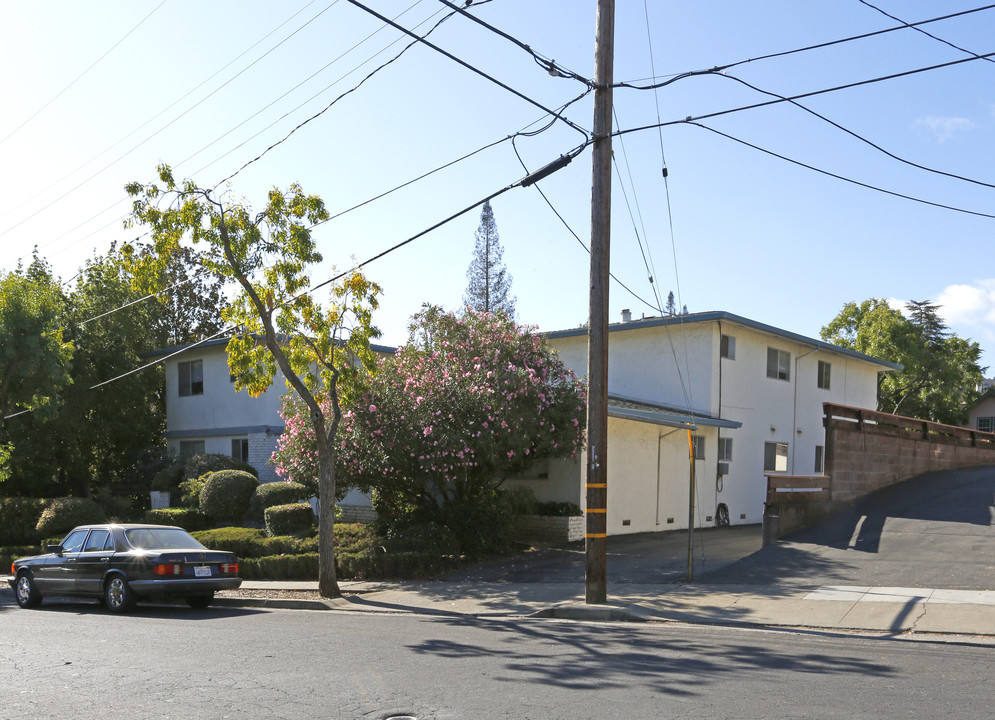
(643, 365)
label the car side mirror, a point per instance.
(57, 549)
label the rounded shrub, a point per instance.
(226, 495)
(18, 519)
(63, 514)
(203, 463)
(281, 493)
(292, 519)
(429, 537)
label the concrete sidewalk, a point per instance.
(888, 611)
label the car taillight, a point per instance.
(229, 568)
(168, 570)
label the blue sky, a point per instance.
(88, 107)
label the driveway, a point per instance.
(639, 558)
(934, 531)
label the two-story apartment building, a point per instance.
(205, 414)
(751, 395)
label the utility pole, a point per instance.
(597, 345)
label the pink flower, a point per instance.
(373, 408)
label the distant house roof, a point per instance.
(719, 316)
(177, 349)
(658, 414)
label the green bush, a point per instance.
(203, 463)
(63, 514)
(189, 519)
(253, 542)
(292, 519)
(275, 493)
(10, 553)
(168, 479)
(189, 491)
(429, 538)
(558, 509)
(226, 495)
(18, 519)
(390, 566)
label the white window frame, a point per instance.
(190, 447)
(820, 459)
(986, 424)
(778, 364)
(698, 446)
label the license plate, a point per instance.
(202, 571)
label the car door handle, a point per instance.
(105, 559)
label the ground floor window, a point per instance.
(986, 424)
(820, 459)
(191, 447)
(240, 449)
(775, 457)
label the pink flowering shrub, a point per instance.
(469, 401)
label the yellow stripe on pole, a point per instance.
(597, 485)
(596, 535)
(597, 510)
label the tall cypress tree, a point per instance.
(488, 281)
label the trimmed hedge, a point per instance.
(10, 553)
(18, 519)
(253, 542)
(189, 519)
(348, 566)
(227, 494)
(294, 519)
(63, 514)
(203, 463)
(280, 493)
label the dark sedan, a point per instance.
(122, 564)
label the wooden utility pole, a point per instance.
(597, 346)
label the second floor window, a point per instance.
(824, 372)
(725, 449)
(698, 446)
(191, 377)
(727, 347)
(778, 364)
(775, 457)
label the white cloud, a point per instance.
(944, 128)
(968, 304)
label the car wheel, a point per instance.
(199, 602)
(118, 595)
(26, 591)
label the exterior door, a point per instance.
(92, 561)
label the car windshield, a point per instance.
(161, 539)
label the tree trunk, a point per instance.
(327, 584)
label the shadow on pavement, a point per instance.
(570, 657)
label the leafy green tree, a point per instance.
(34, 366)
(191, 298)
(940, 370)
(488, 281)
(102, 434)
(278, 322)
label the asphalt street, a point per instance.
(74, 660)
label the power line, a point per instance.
(584, 245)
(529, 179)
(179, 99)
(839, 177)
(78, 77)
(471, 68)
(719, 68)
(920, 30)
(550, 66)
(333, 102)
(154, 134)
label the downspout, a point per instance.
(719, 483)
(794, 412)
